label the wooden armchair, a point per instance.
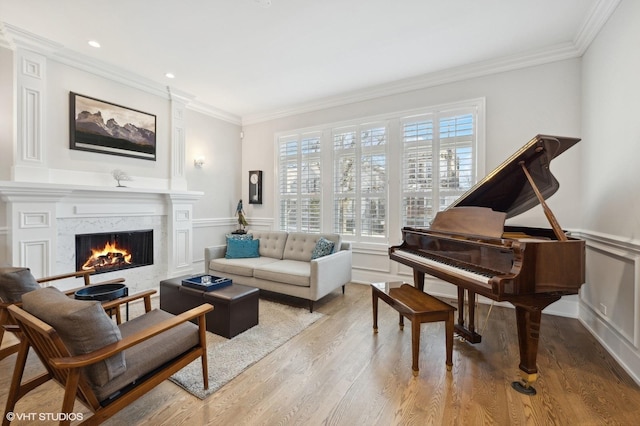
(15, 281)
(105, 368)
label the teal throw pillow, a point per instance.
(240, 249)
(323, 247)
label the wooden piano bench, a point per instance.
(418, 307)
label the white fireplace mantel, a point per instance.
(40, 215)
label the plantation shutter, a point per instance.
(300, 183)
(437, 164)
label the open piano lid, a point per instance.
(506, 189)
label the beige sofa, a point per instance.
(285, 265)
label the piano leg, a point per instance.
(528, 316)
(418, 279)
(374, 300)
(461, 309)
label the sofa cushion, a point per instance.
(14, 282)
(271, 243)
(242, 267)
(241, 249)
(286, 271)
(152, 353)
(83, 326)
(300, 245)
(323, 247)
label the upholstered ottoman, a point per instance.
(235, 307)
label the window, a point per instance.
(300, 183)
(438, 163)
(360, 177)
(368, 179)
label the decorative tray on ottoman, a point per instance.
(206, 282)
(102, 292)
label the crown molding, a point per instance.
(214, 112)
(598, 17)
(179, 95)
(14, 37)
(4, 40)
(590, 28)
(18, 38)
(450, 75)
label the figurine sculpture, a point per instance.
(242, 222)
(120, 175)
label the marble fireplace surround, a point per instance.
(43, 219)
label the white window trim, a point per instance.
(394, 164)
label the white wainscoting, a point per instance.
(610, 300)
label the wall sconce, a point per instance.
(198, 162)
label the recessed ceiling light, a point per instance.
(94, 43)
(169, 75)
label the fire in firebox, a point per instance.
(113, 251)
(109, 257)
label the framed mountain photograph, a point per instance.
(100, 126)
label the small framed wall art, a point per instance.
(255, 187)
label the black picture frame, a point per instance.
(255, 187)
(108, 128)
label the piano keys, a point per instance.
(468, 245)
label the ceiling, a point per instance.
(247, 59)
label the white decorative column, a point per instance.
(179, 103)
(180, 222)
(30, 68)
(31, 215)
(29, 162)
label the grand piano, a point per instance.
(469, 246)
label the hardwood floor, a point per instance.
(337, 372)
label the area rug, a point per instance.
(277, 323)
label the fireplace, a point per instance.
(113, 251)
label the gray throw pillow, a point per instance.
(14, 282)
(83, 326)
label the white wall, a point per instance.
(62, 79)
(519, 105)
(219, 143)
(610, 174)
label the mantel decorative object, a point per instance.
(255, 187)
(120, 175)
(242, 221)
(100, 126)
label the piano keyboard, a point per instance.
(443, 266)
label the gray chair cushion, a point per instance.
(152, 353)
(83, 326)
(14, 282)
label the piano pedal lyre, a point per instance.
(465, 328)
